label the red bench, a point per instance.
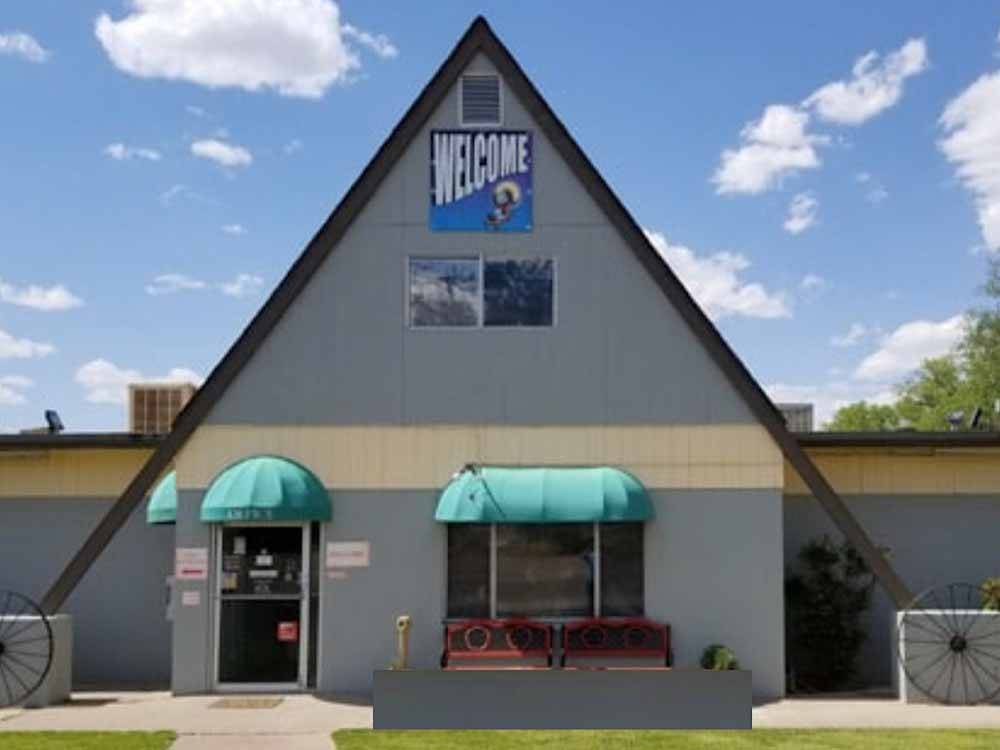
(483, 640)
(614, 638)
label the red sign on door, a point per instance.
(288, 632)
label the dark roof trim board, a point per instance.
(908, 439)
(478, 38)
(78, 440)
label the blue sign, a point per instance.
(481, 181)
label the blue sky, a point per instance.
(155, 188)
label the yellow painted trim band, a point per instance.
(425, 457)
(893, 472)
(83, 473)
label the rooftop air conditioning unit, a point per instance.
(153, 407)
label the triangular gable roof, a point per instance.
(478, 38)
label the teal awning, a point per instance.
(492, 494)
(162, 506)
(266, 488)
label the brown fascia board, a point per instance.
(79, 440)
(903, 439)
(479, 37)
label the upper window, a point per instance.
(518, 292)
(480, 100)
(444, 292)
(545, 570)
(472, 292)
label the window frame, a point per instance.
(481, 321)
(461, 101)
(408, 293)
(598, 582)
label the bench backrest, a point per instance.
(497, 639)
(617, 638)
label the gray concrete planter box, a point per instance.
(942, 673)
(562, 699)
(56, 686)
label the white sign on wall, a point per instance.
(348, 554)
(191, 564)
(191, 598)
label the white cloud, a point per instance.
(25, 46)
(195, 111)
(380, 44)
(234, 229)
(826, 398)
(171, 283)
(774, 147)
(121, 152)
(902, 351)
(10, 396)
(11, 389)
(875, 191)
(812, 282)
(15, 348)
(106, 383)
(801, 213)
(876, 195)
(293, 146)
(222, 153)
(854, 335)
(779, 145)
(171, 194)
(873, 87)
(715, 282)
(47, 299)
(243, 285)
(294, 47)
(972, 123)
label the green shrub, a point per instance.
(826, 599)
(989, 590)
(718, 658)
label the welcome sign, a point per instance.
(481, 180)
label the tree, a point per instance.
(864, 417)
(826, 598)
(980, 347)
(964, 381)
(936, 390)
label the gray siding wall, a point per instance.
(407, 576)
(713, 562)
(194, 628)
(120, 631)
(619, 353)
(934, 540)
(711, 558)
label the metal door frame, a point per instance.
(304, 597)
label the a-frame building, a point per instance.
(480, 298)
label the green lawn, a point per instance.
(773, 739)
(86, 740)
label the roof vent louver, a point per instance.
(480, 100)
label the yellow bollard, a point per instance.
(402, 642)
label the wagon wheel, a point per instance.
(949, 652)
(25, 648)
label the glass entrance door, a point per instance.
(262, 605)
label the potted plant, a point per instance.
(718, 658)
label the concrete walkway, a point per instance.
(871, 713)
(298, 722)
(305, 722)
